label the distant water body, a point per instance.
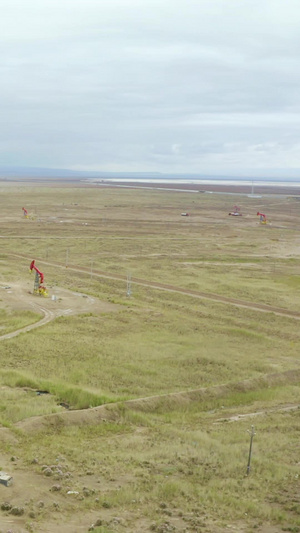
(229, 182)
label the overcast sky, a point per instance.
(196, 86)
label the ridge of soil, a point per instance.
(152, 403)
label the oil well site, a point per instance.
(150, 370)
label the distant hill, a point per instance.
(40, 172)
(16, 172)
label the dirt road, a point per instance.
(255, 306)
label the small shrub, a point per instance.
(17, 511)
(6, 506)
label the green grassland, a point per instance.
(13, 320)
(182, 463)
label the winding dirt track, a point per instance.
(255, 306)
(69, 303)
(48, 316)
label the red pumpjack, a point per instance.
(39, 288)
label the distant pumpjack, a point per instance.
(236, 211)
(262, 217)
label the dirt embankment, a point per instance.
(167, 402)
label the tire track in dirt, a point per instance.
(255, 306)
(281, 409)
(48, 316)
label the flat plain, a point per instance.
(128, 396)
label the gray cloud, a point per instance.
(198, 86)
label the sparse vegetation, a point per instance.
(173, 462)
(12, 320)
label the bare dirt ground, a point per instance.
(19, 296)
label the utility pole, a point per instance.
(252, 433)
(128, 285)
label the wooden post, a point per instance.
(252, 433)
